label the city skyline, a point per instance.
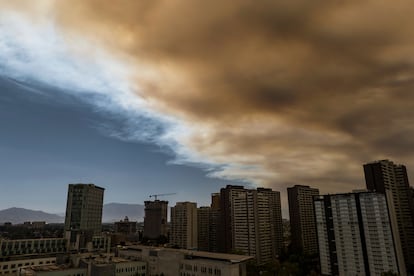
(156, 97)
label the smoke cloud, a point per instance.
(274, 92)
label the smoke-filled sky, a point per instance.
(267, 93)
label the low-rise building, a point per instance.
(11, 249)
(108, 265)
(52, 270)
(126, 227)
(18, 254)
(12, 267)
(169, 261)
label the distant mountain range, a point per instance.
(111, 212)
(20, 215)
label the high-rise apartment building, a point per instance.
(184, 225)
(203, 228)
(83, 213)
(302, 219)
(354, 235)
(215, 201)
(208, 219)
(251, 222)
(391, 179)
(412, 200)
(155, 220)
(225, 239)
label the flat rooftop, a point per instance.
(218, 256)
(44, 268)
(233, 258)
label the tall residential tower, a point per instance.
(354, 235)
(208, 219)
(302, 219)
(251, 222)
(155, 220)
(83, 213)
(184, 225)
(391, 180)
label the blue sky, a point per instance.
(70, 118)
(49, 140)
(170, 96)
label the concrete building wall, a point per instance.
(131, 268)
(302, 219)
(168, 261)
(155, 220)
(126, 227)
(84, 208)
(323, 239)
(206, 267)
(354, 234)
(14, 248)
(52, 272)
(391, 179)
(184, 225)
(255, 223)
(347, 235)
(13, 267)
(203, 228)
(378, 234)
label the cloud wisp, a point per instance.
(42, 54)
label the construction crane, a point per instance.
(161, 195)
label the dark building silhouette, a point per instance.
(302, 219)
(215, 201)
(203, 227)
(391, 179)
(126, 227)
(83, 214)
(155, 220)
(225, 239)
(208, 219)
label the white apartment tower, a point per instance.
(354, 234)
(391, 179)
(184, 225)
(255, 222)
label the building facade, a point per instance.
(18, 254)
(203, 228)
(108, 264)
(354, 235)
(208, 219)
(53, 270)
(391, 180)
(155, 220)
(173, 262)
(251, 222)
(183, 232)
(126, 227)
(83, 214)
(302, 219)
